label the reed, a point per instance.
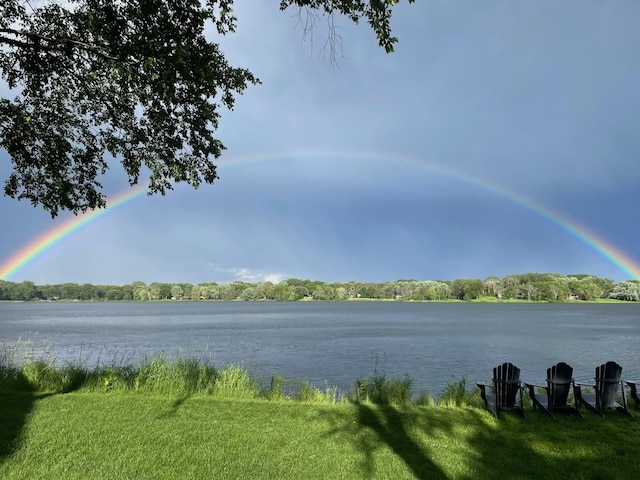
(456, 394)
(382, 390)
(163, 375)
(235, 382)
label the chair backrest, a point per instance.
(506, 383)
(608, 378)
(559, 380)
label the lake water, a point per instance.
(335, 343)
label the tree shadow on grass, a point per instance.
(17, 400)
(16, 406)
(175, 405)
(567, 447)
(385, 426)
(512, 447)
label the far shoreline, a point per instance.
(491, 300)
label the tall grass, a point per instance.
(181, 376)
(235, 382)
(382, 390)
(160, 375)
(300, 391)
(308, 393)
(456, 394)
(178, 377)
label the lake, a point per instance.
(334, 343)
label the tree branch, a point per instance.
(54, 44)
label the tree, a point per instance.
(134, 79)
(140, 291)
(196, 292)
(26, 291)
(127, 292)
(341, 293)
(589, 289)
(493, 286)
(70, 291)
(443, 290)
(626, 291)
(467, 289)
(114, 294)
(177, 292)
(531, 291)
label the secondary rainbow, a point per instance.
(601, 246)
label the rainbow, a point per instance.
(62, 230)
(598, 244)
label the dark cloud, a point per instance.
(536, 97)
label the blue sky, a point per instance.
(335, 174)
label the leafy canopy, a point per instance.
(134, 79)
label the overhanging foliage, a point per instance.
(137, 80)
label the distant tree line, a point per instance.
(543, 287)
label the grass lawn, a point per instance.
(94, 435)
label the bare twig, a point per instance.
(308, 19)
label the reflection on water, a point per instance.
(334, 343)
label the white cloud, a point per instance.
(243, 274)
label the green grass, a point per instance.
(150, 436)
(186, 419)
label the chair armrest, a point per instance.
(532, 385)
(584, 384)
(532, 391)
(483, 392)
(485, 389)
(577, 390)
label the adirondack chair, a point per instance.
(634, 392)
(608, 385)
(504, 392)
(559, 384)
